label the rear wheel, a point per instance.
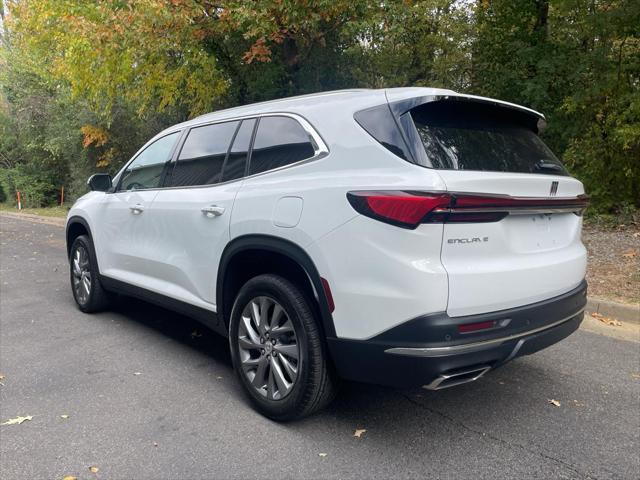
(87, 290)
(278, 350)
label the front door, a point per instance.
(126, 237)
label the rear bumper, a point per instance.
(430, 351)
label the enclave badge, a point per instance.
(468, 240)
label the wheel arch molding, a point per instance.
(240, 250)
(76, 226)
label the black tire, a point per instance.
(98, 298)
(316, 384)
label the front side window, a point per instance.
(147, 169)
(279, 141)
(202, 157)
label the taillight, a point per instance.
(409, 209)
(404, 209)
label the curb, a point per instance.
(619, 311)
(57, 221)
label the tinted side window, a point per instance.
(237, 159)
(279, 141)
(147, 169)
(202, 156)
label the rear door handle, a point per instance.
(136, 209)
(213, 211)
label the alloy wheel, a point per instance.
(81, 274)
(268, 347)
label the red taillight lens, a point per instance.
(409, 209)
(404, 209)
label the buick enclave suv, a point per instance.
(404, 237)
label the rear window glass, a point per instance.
(477, 136)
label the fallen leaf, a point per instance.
(93, 469)
(1, 377)
(358, 433)
(70, 477)
(322, 455)
(17, 420)
(554, 402)
(64, 416)
(635, 375)
(606, 320)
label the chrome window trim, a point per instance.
(319, 146)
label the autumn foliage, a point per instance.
(84, 83)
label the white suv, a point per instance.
(405, 237)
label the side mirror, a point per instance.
(99, 182)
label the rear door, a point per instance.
(491, 155)
(192, 214)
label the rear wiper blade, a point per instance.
(547, 165)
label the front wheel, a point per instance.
(278, 351)
(87, 290)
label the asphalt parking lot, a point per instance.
(151, 395)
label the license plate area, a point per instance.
(540, 232)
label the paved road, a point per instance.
(183, 415)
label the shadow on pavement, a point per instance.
(502, 388)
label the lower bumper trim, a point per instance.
(475, 346)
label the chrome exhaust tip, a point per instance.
(459, 377)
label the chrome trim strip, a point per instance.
(522, 210)
(320, 150)
(471, 347)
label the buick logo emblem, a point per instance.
(554, 189)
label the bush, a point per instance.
(36, 190)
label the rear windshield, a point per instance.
(476, 136)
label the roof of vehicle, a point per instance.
(301, 103)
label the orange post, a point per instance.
(19, 202)
(61, 196)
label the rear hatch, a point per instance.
(517, 237)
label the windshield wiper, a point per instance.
(548, 165)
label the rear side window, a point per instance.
(475, 136)
(237, 158)
(279, 141)
(203, 154)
